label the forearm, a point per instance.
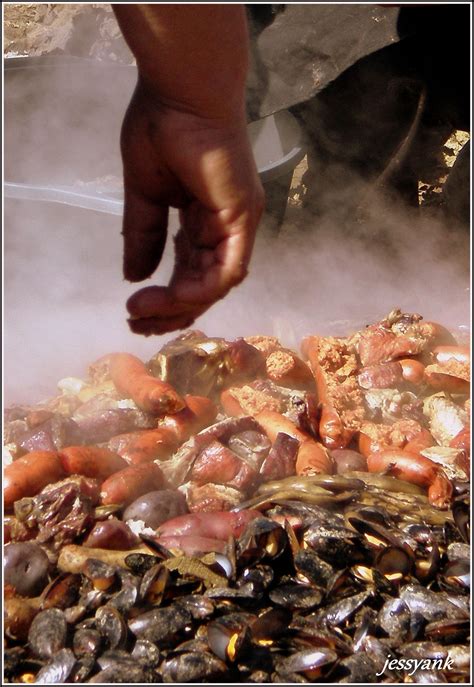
(191, 57)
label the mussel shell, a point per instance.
(160, 624)
(146, 653)
(394, 561)
(99, 573)
(258, 578)
(310, 567)
(296, 596)
(62, 592)
(140, 563)
(457, 575)
(229, 636)
(198, 605)
(307, 660)
(340, 611)
(193, 667)
(394, 618)
(86, 641)
(153, 584)
(461, 515)
(125, 673)
(58, 669)
(448, 631)
(125, 598)
(359, 668)
(48, 633)
(271, 624)
(112, 626)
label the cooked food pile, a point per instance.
(240, 512)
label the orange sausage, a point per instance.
(415, 468)
(172, 431)
(412, 370)
(144, 446)
(286, 368)
(132, 379)
(312, 456)
(27, 476)
(332, 430)
(127, 485)
(90, 461)
(199, 413)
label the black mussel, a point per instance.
(461, 515)
(48, 633)
(146, 653)
(334, 543)
(309, 630)
(431, 605)
(423, 650)
(394, 618)
(112, 657)
(156, 507)
(427, 677)
(194, 667)
(90, 600)
(140, 563)
(125, 598)
(161, 624)
(102, 575)
(25, 567)
(196, 644)
(311, 568)
(86, 641)
(457, 575)
(259, 577)
(309, 662)
(58, 669)
(153, 584)
(296, 596)
(395, 562)
(82, 669)
(375, 532)
(365, 623)
(124, 672)
(229, 636)
(340, 611)
(458, 551)
(112, 626)
(244, 595)
(62, 592)
(198, 605)
(358, 668)
(262, 539)
(381, 654)
(449, 631)
(271, 624)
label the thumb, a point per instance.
(144, 233)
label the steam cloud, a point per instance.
(65, 297)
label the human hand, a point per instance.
(203, 166)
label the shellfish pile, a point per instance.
(236, 512)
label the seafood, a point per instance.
(231, 511)
(132, 379)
